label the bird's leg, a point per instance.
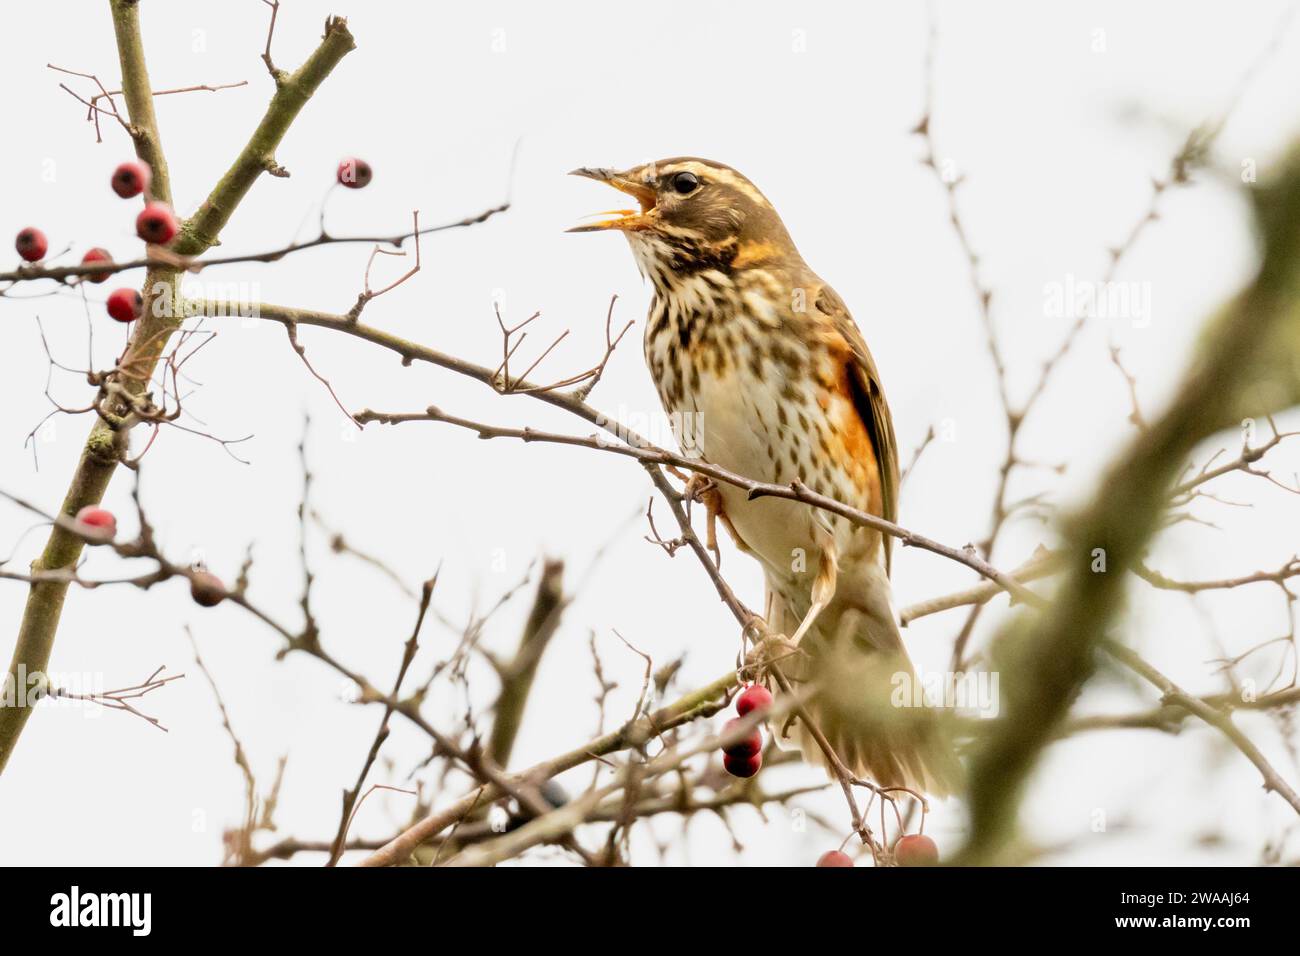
(731, 528)
(823, 589)
(704, 489)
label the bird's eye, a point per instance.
(685, 183)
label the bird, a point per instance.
(762, 360)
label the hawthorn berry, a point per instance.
(31, 244)
(96, 255)
(131, 179)
(125, 304)
(156, 224)
(745, 747)
(739, 766)
(916, 849)
(835, 858)
(355, 173)
(206, 589)
(96, 523)
(754, 697)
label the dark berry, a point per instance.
(355, 173)
(31, 244)
(755, 697)
(131, 179)
(206, 589)
(96, 255)
(742, 766)
(156, 224)
(746, 746)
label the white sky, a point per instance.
(1058, 143)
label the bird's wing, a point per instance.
(869, 400)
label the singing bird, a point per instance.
(745, 342)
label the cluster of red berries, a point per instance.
(156, 225)
(914, 849)
(99, 526)
(744, 758)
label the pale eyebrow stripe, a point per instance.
(717, 174)
(732, 179)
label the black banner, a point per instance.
(308, 905)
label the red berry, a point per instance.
(125, 304)
(131, 179)
(834, 858)
(206, 589)
(746, 746)
(755, 697)
(96, 523)
(355, 173)
(31, 244)
(96, 255)
(156, 223)
(742, 766)
(916, 849)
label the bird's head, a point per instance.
(692, 214)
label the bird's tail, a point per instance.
(863, 702)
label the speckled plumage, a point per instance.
(747, 343)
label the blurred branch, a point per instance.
(1174, 695)
(560, 822)
(1046, 563)
(239, 843)
(1249, 358)
(702, 702)
(1169, 716)
(517, 674)
(1279, 577)
(1043, 564)
(1192, 154)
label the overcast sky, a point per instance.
(1057, 116)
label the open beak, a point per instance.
(624, 219)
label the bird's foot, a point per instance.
(704, 489)
(777, 653)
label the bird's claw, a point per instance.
(704, 489)
(776, 652)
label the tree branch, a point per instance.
(518, 673)
(1219, 719)
(1250, 358)
(107, 444)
